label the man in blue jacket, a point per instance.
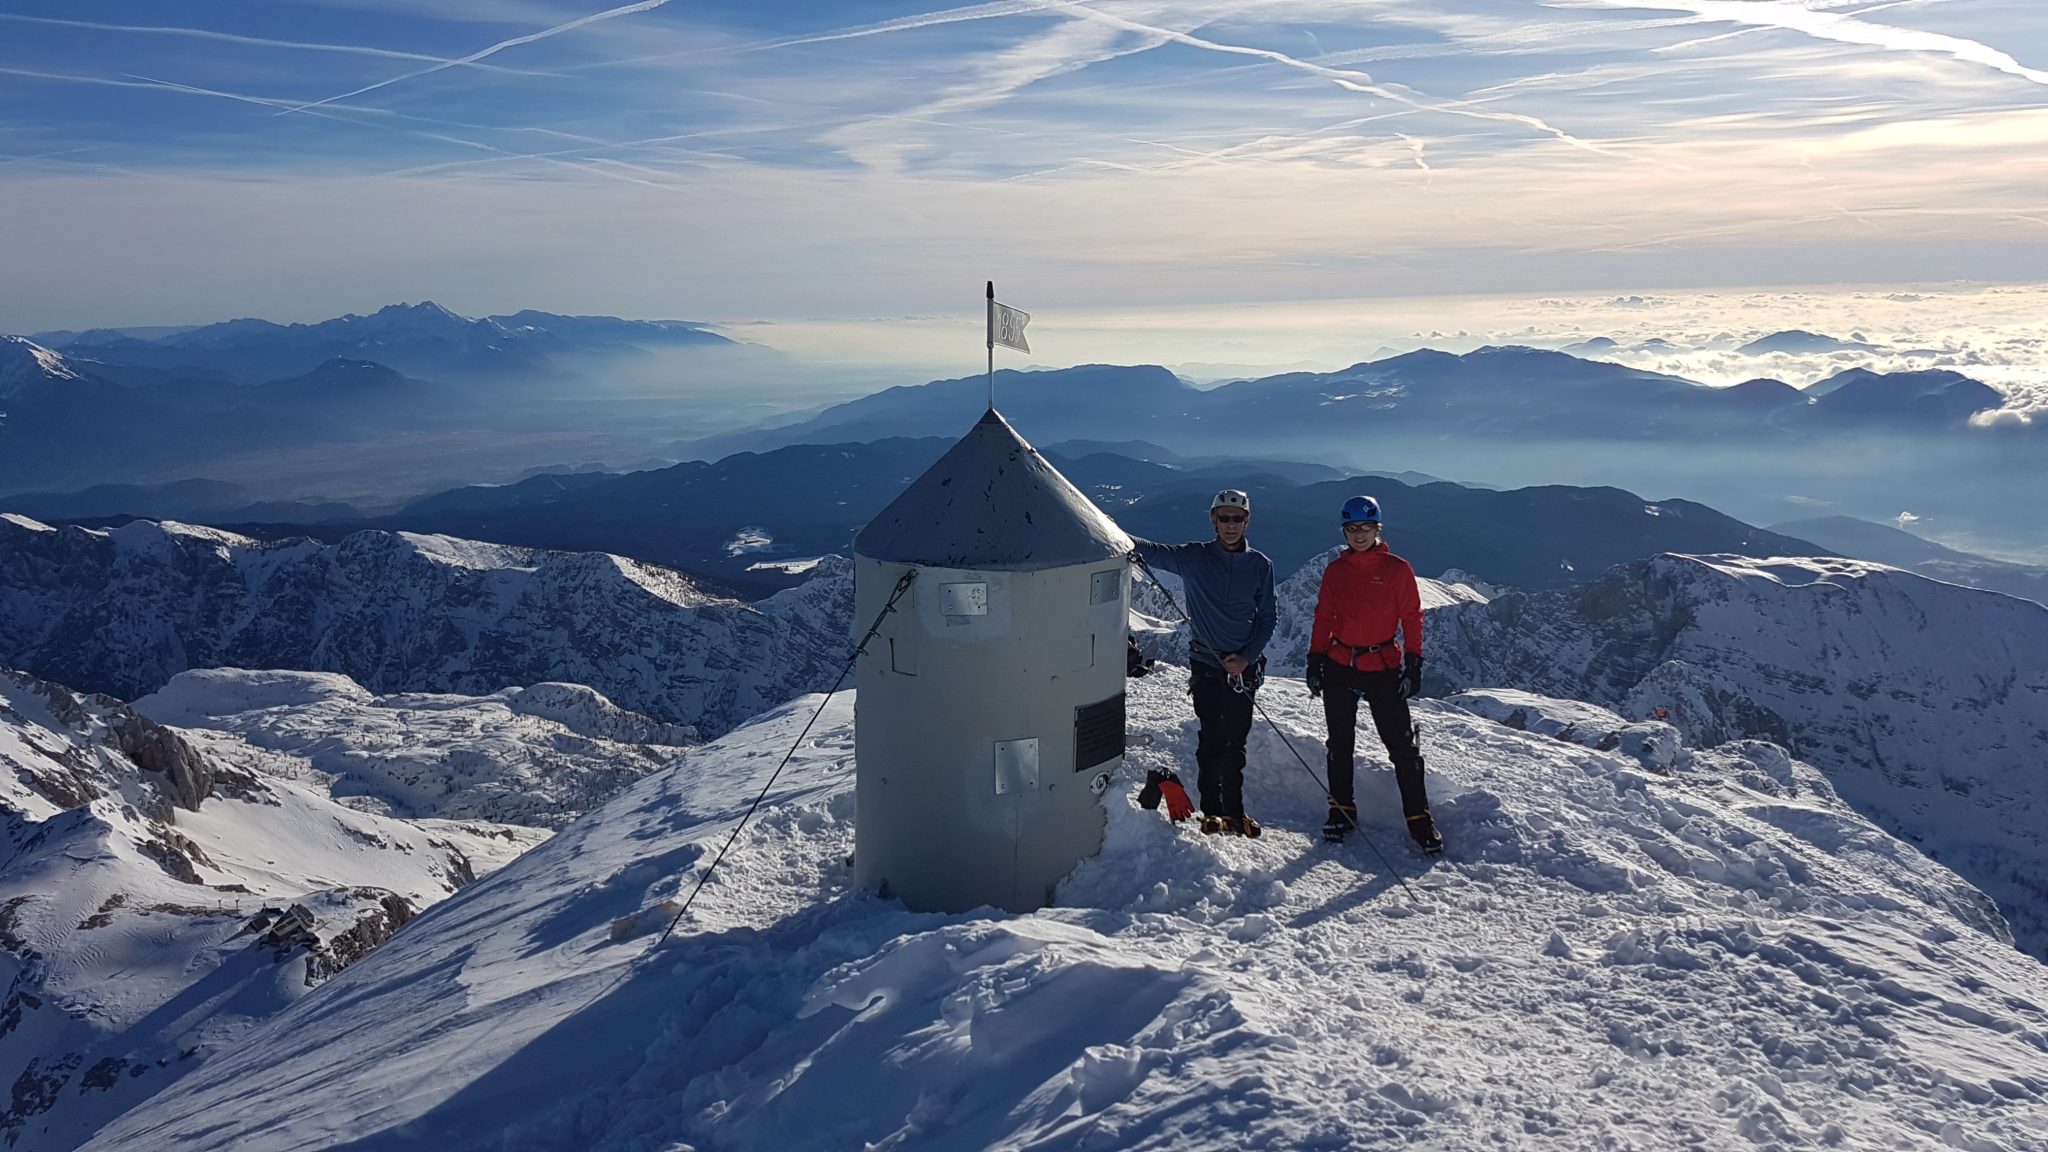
(1230, 600)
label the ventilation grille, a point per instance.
(1098, 732)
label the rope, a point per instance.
(1194, 639)
(902, 586)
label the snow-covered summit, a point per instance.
(1608, 956)
(25, 364)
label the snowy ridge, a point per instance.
(1926, 703)
(25, 364)
(124, 611)
(1607, 957)
(538, 756)
(147, 896)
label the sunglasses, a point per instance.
(1239, 519)
(1356, 526)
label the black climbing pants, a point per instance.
(1342, 689)
(1225, 718)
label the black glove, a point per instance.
(1411, 676)
(1148, 796)
(1317, 665)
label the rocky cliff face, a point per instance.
(1926, 703)
(123, 611)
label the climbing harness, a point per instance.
(1194, 640)
(1357, 651)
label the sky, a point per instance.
(813, 163)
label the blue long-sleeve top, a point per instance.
(1229, 594)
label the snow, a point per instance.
(752, 538)
(193, 698)
(403, 612)
(1654, 744)
(24, 523)
(1926, 703)
(136, 865)
(461, 553)
(24, 363)
(796, 566)
(1718, 955)
(156, 537)
(538, 756)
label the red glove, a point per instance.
(1178, 806)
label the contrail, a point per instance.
(1353, 81)
(907, 23)
(257, 41)
(136, 81)
(500, 46)
(900, 24)
(69, 79)
(1839, 28)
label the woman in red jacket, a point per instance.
(1368, 596)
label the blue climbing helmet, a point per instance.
(1361, 509)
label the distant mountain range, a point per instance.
(368, 409)
(249, 399)
(722, 521)
(1494, 392)
(421, 339)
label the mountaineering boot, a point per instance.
(1343, 818)
(1249, 827)
(1423, 830)
(1211, 825)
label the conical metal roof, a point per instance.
(991, 502)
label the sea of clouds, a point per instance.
(1996, 334)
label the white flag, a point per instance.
(1006, 327)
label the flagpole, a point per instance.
(991, 345)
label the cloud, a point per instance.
(1823, 25)
(2001, 418)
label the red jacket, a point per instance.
(1365, 596)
